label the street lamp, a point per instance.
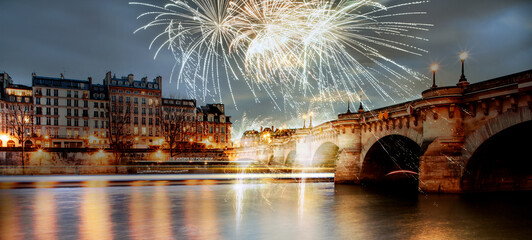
(434, 68)
(463, 56)
(304, 120)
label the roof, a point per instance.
(40, 81)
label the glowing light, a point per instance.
(434, 67)
(4, 138)
(46, 137)
(464, 55)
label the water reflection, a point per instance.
(263, 210)
(162, 221)
(9, 217)
(95, 214)
(44, 215)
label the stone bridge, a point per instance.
(463, 138)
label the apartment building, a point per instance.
(61, 111)
(135, 107)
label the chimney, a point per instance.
(261, 129)
(130, 77)
(62, 76)
(90, 81)
(272, 128)
(159, 80)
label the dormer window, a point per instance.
(150, 85)
(135, 84)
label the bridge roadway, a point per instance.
(463, 138)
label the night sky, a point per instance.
(89, 38)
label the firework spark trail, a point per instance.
(287, 48)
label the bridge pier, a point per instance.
(440, 167)
(348, 166)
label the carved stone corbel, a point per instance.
(451, 111)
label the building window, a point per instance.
(136, 120)
(56, 111)
(48, 101)
(48, 121)
(95, 105)
(85, 103)
(143, 101)
(85, 113)
(69, 112)
(96, 124)
(144, 121)
(69, 93)
(95, 114)
(85, 123)
(76, 113)
(56, 121)
(76, 94)
(47, 92)
(151, 121)
(75, 103)
(69, 121)
(69, 102)
(210, 129)
(144, 131)
(76, 122)
(56, 92)
(38, 121)
(37, 100)
(113, 99)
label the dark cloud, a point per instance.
(89, 38)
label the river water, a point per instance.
(261, 210)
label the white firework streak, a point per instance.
(288, 48)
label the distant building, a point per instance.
(98, 116)
(71, 113)
(135, 106)
(61, 111)
(207, 124)
(16, 110)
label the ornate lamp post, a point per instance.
(434, 68)
(463, 81)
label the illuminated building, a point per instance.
(98, 116)
(16, 110)
(214, 126)
(61, 111)
(135, 106)
(70, 113)
(207, 124)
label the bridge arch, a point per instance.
(290, 158)
(501, 162)
(326, 154)
(492, 127)
(392, 160)
(406, 132)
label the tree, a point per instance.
(20, 122)
(119, 132)
(172, 129)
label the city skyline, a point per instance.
(89, 39)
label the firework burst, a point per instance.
(288, 48)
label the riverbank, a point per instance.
(9, 182)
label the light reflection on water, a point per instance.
(263, 211)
